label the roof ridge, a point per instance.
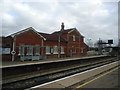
(21, 31)
(24, 30)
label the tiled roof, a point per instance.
(52, 37)
(65, 31)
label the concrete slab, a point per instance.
(84, 75)
(70, 80)
(108, 81)
(53, 85)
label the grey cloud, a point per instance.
(93, 21)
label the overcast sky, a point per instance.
(93, 20)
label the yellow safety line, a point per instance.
(97, 77)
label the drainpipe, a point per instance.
(68, 48)
(59, 46)
(13, 51)
(79, 46)
(42, 49)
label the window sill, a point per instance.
(55, 53)
(48, 53)
(37, 54)
(62, 53)
(20, 54)
(29, 54)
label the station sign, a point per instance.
(4, 50)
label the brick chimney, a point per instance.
(62, 27)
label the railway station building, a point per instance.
(29, 44)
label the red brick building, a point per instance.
(29, 44)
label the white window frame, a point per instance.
(74, 38)
(82, 50)
(47, 49)
(21, 50)
(62, 50)
(29, 50)
(51, 50)
(55, 49)
(37, 50)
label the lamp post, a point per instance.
(89, 43)
(100, 46)
(59, 35)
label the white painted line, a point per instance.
(49, 61)
(71, 76)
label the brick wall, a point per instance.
(27, 38)
(52, 44)
(7, 46)
(73, 46)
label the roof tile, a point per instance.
(52, 37)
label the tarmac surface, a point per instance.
(109, 79)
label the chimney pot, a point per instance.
(62, 26)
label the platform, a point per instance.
(109, 79)
(74, 80)
(22, 63)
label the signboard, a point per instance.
(110, 41)
(4, 50)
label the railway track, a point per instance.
(55, 74)
(13, 74)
